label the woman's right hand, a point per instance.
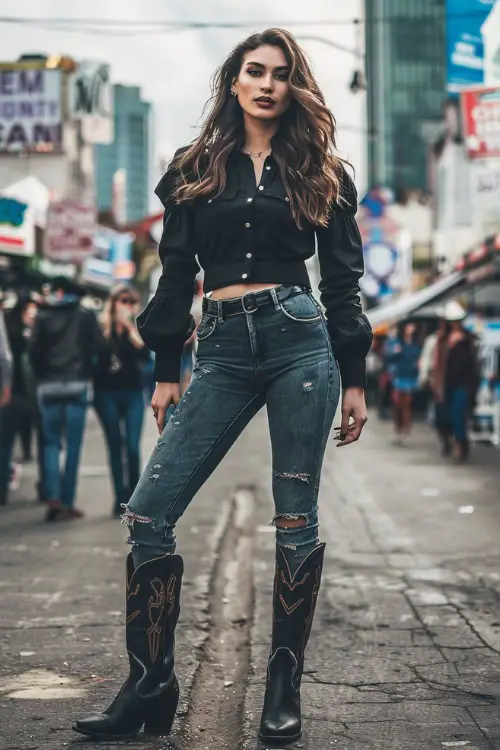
(165, 395)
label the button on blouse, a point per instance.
(248, 233)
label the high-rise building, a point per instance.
(406, 74)
(130, 153)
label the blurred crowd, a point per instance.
(435, 374)
(57, 359)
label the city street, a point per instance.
(405, 648)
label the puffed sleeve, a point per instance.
(340, 252)
(165, 324)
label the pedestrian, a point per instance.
(5, 396)
(19, 322)
(118, 390)
(249, 196)
(65, 339)
(404, 356)
(456, 380)
(386, 378)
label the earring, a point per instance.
(233, 93)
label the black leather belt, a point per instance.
(250, 302)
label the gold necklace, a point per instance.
(257, 154)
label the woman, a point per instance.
(118, 391)
(455, 381)
(404, 355)
(249, 197)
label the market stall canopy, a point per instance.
(35, 193)
(402, 307)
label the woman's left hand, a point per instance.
(353, 407)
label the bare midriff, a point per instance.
(238, 290)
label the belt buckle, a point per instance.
(243, 303)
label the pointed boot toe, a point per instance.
(150, 694)
(294, 602)
(281, 721)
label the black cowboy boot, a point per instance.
(150, 694)
(293, 611)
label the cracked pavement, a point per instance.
(405, 648)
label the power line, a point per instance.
(323, 40)
(137, 27)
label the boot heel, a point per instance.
(161, 713)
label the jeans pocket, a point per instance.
(301, 308)
(208, 324)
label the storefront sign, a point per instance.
(464, 42)
(17, 230)
(481, 122)
(51, 269)
(91, 101)
(387, 248)
(485, 194)
(30, 110)
(69, 234)
(111, 261)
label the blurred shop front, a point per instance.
(475, 283)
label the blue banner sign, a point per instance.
(464, 42)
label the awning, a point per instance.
(402, 307)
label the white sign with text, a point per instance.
(30, 110)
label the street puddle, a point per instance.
(40, 684)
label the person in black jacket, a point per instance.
(22, 411)
(118, 390)
(248, 200)
(65, 339)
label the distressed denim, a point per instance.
(280, 356)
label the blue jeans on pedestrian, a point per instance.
(121, 412)
(279, 356)
(62, 418)
(458, 409)
(452, 414)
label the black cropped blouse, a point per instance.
(247, 235)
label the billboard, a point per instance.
(17, 227)
(91, 101)
(464, 42)
(481, 122)
(69, 232)
(30, 109)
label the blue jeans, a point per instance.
(62, 418)
(121, 413)
(452, 414)
(280, 357)
(458, 409)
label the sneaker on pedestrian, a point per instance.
(15, 477)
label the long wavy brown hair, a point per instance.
(303, 147)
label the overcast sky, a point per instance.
(174, 69)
